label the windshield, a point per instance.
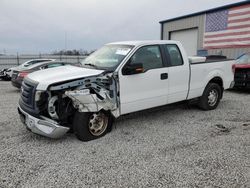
(108, 57)
(244, 59)
(32, 62)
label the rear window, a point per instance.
(54, 65)
(36, 61)
(174, 54)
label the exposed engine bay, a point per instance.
(90, 94)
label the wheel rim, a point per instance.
(98, 123)
(212, 97)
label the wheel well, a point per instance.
(217, 80)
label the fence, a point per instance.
(7, 61)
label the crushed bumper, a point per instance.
(16, 83)
(44, 126)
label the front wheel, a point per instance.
(211, 97)
(89, 126)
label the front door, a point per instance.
(146, 89)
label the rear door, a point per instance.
(178, 74)
(148, 89)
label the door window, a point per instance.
(148, 56)
(52, 65)
(174, 54)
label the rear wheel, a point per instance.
(89, 126)
(210, 97)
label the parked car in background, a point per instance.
(19, 75)
(6, 74)
(242, 71)
(3, 75)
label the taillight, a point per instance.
(23, 74)
(233, 68)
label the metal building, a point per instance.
(220, 31)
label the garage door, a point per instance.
(188, 38)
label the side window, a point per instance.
(54, 65)
(174, 54)
(31, 63)
(148, 56)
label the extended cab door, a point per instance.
(148, 87)
(179, 72)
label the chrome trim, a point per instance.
(232, 85)
(44, 126)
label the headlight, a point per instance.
(38, 95)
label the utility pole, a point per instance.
(65, 41)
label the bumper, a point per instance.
(44, 126)
(232, 85)
(242, 84)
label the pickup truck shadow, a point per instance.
(29, 136)
(13, 91)
(157, 112)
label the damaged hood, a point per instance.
(46, 77)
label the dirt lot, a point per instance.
(172, 146)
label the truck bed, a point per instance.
(212, 61)
(203, 72)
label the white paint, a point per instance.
(227, 31)
(239, 23)
(196, 59)
(239, 10)
(59, 74)
(122, 51)
(201, 74)
(229, 37)
(147, 90)
(143, 91)
(247, 42)
(239, 17)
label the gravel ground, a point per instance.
(172, 146)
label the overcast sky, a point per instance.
(33, 26)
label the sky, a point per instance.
(43, 26)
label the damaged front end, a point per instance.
(52, 112)
(91, 94)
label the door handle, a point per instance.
(164, 76)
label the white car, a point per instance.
(118, 79)
(25, 65)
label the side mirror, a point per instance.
(132, 69)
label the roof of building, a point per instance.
(207, 11)
(144, 42)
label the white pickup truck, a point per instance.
(118, 79)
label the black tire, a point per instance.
(210, 97)
(82, 124)
(6, 79)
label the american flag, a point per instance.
(228, 28)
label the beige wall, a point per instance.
(230, 52)
(186, 23)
